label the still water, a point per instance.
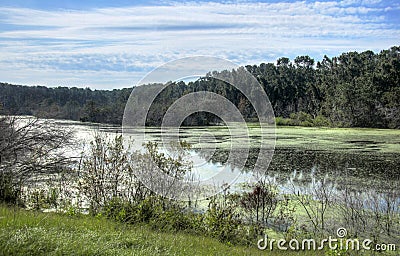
(365, 159)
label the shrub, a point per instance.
(321, 121)
(306, 123)
(9, 193)
(260, 203)
(303, 119)
(43, 199)
(222, 221)
(280, 121)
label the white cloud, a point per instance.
(136, 39)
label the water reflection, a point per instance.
(362, 170)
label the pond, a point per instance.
(365, 159)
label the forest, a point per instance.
(351, 90)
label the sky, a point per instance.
(114, 44)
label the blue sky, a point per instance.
(113, 44)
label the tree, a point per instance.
(29, 148)
(353, 89)
(282, 61)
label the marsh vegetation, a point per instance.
(320, 179)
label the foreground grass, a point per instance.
(35, 233)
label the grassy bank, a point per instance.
(35, 233)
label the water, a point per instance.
(365, 159)
(358, 168)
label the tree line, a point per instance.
(101, 106)
(351, 90)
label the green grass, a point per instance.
(35, 233)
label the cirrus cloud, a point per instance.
(113, 47)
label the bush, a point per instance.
(303, 119)
(222, 221)
(9, 194)
(306, 123)
(174, 218)
(321, 121)
(43, 199)
(160, 213)
(280, 121)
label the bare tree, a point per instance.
(374, 213)
(316, 199)
(352, 210)
(29, 147)
(261, 201)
